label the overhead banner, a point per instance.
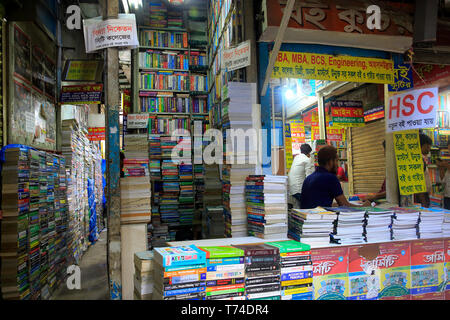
(411, 110)
(238, 57)
(347, 113)
(334, 68)
(410, 170)
(137, 121)
(82, 94)
(101, 34)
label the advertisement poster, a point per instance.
(394, 265)
(330, 280)
(22, 52)
(288, 146)
(410, 168)
(363, 283)
(427, 267)
(298, 135)
(403, 76)
(414, 109)
(334, 68)
(447, 268)
(335, 134)
(101, 34)
(96, 134)
(374, 114)
(137, 121)
(347, 113)
(126, 102)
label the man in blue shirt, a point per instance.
(323, 186)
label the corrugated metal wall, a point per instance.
(367, 157)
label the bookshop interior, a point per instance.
(229, 150)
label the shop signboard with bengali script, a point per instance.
(410, 169)
(82, 94)
(237, 57)
(288, 146)
(374, 114)
(347, 113)
(414, 109)
(316, 66)
(96, 134)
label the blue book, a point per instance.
(179, 256)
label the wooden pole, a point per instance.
(110, 9)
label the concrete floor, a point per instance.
(94, 276)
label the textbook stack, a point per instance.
(267, 206)
(179, 273)
(135, 186)
(350, 225)
(225, 273)
(186, 199)
(446, 224)
(405, 224)
(158, 14)
(262, 272)
(311, 226)
(296, 270)
(143, 275)
(431, 223)
(378, 225)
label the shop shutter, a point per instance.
(367, 158)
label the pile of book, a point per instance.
(179, 273)
(431, 223)
(158, 14)
(155, 147)
(296, 270)
(135, 186)
(169, 170)
(378, 225)
(214, 227)
(167, 146)
(168, 208)
(158, 234)
(186, 201)
(175, 19)
(267, 207)
(405, 224)
(350, 225)
(155, 169)
(262, 272)
(446, 224)
(225, 273)
(143, 275)
(311, 226)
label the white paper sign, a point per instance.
(100, 34)
(237, 57)
(415, 109)
(137, 121)
(29, 122)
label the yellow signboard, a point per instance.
(410, 170)
(334, 68)
(82, 70)
(288, 146)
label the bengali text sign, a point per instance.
(333, 68)
(410, 170)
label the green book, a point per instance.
(290, 246)
(222, 252)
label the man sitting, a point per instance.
(321, 187)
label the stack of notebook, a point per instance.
(431, 222)
(350, 225)
(405, 224)
(143, 275)
(378, 225)
(311, 226)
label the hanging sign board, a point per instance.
(101, 34)
(347, 113)
(137, 121)
(298, 135)
(82, 94)
(410, 170)
(374, 114)
(82, 70)
(288, 146)
(415, 109)
(96, 134)
(403, 78)
(238, 57)
(334, 68)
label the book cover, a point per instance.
(447, 267)
(179, 256)
(363, 285)
(330, 280)
(427, 267)
(258, 249)
(222, 252)
(394, 264)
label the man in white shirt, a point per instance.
(302, 166)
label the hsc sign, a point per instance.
(413, 110)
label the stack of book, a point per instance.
(311, 226)
(158, 14)
(158, 234)
(14, 228)
(350, 225)
(168, 208)
(405, 224)
(167, 145)
(431, 222)
(186, 202)
(156, 59)
(267, 208)
(135, 187)
(167, 125)
(179, 273)
(378, 225)
(225, 273)
(164, 80)
(262, 272)
(296, 270)
(155, 169)
(214, 226)
(169, 170)
(155, 147)
(175, 19)
(446, 224)
(143, 275)
(165, 103)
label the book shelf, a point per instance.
(170, 74)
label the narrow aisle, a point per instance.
(94, 276)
